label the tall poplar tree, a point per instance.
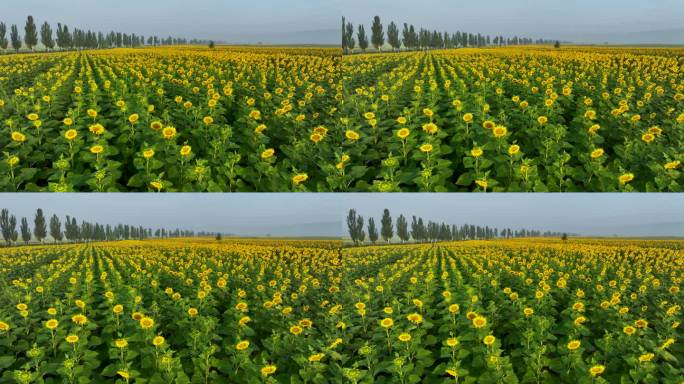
(39, 227)
(46, 36)
(402, 228)
(393, 36)
(30, 33)
(16, 39)
(25, 230)
(372, 231)
(3, 36)
(363, 39)
(386, 228)
(349, 31)
(56, 228)
(377, 33)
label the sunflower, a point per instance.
(51, 324)
(479, 322)
(192, 312)
(404, 337)
(156, 125)
(97, 129)
(185, 150)
(133, 118)
(489, 340)
(672, 165)
(268, 370)
(430, 128)
(513, 149)
(352, 135)
(415, 318)
(386, 322)
(403, 133)
(121, 343)
(72, 339)
(296, 330)
(208, 120)
(146, 323)
(70, 134)
(18, 137)
(316, 137)
(426, 148)
(573, 345)
(255, 115)
(148, 153)
(468, 117)
(96, 149)
(299, 178)
(596, 370)
(169, 132)
(452, 342)
(242, 345)
(646, 357)
(626, 178)
(596, 153)
(79, 319)
(267, 154)
(158, 341)
(316, 357)
(500, 131)
(260, 128)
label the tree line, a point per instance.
(422, 231)
(65, 39)
(71, 231)
(423, 39)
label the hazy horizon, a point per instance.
(232, 21)
(323, 214)
(580, 21)
(318, 22)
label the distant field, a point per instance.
(578, 118)
(296, 311)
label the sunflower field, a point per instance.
(166, 119)
(308, 311)
(516, 119)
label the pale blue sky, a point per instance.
(229, 20)
(289, 214)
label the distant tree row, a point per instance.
(65, 39)
(421, 231)
(71, 231)
(421, 39)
